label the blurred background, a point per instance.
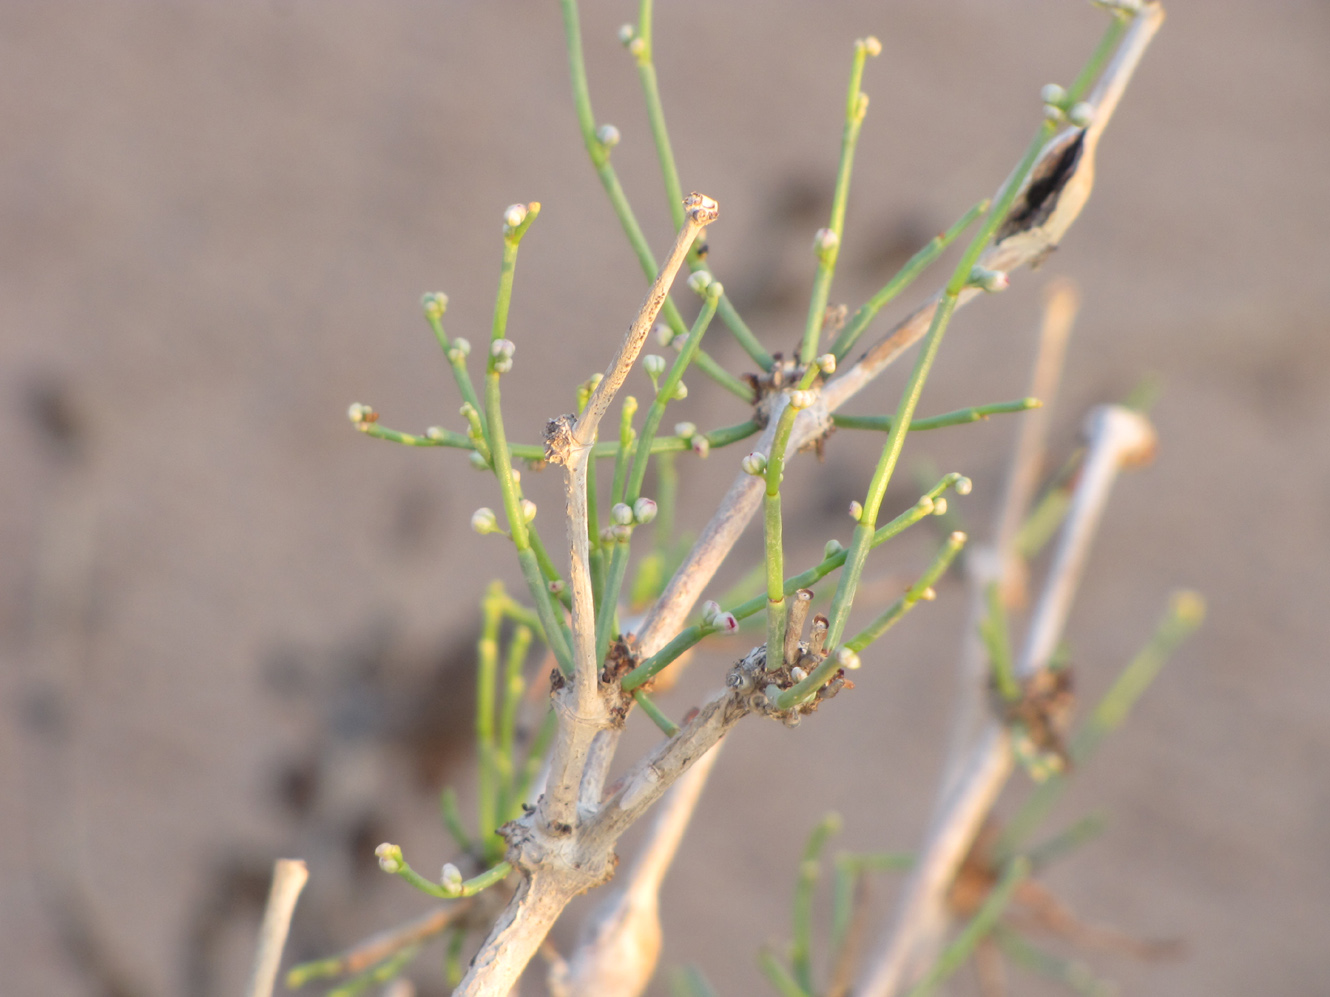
(232, 628)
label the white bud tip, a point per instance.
(528, 510)
(832, 548)
(928, 594)
(959, 537)
(680, 391)
(846, 658)
(989, 280)
(484, 521)
(755, 464)
(644, 510)
(664, 334)
(798, 674)
(435, 303)
(940, 506)
(434, 433)
(502, 348)
(451, 877)
(872, 46)
(1081, 114)
(626, 34)
(685, 429)
(827, 363)
(621, 514)
(727, 623)
(801, 399)
(462, 346)
(514, 215)
(701, 446)
(478, 461)
(608, 135)
(1053, 113)
(963, 486)
(654, 365)
(637, 46)
(1053, 94)
(856, 511)
(358, 413)
(710, 612)
(825, 239)
(699, 281)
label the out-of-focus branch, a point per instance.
(288, 879)
(1118, 438)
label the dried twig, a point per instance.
(1118, 438)
(288, 879)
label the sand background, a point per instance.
(233, 629)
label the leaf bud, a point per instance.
(701, 445)
(626, 34)
(1053, 94)
(825, 240)
(680, 391)
(360, 414)
(528, 510)
(390, 857)
(664, 334)
(802, 398)
(435, 304)
(654, 365)
(644, 510)
(856, 510)
(832, 548)
(928, 594)
(514, 215)
(608, 136)
(435, 433)
(755, 464)
(451, 878)
(461, 347)
(963, 486)
(700, 280)
(621, 514)
(826, 363)
(484, 521)
(478, 461)
(940, 505)
(621, 533)
(798, 674)
(988, 280)
(847, 659)
(637, 46)
(502, 348)
(1081, 114)
(872, 46)
(686, 430)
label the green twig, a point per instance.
(519, 645)
(980, 926)
(778, 976)
(391, 861)
(653, 711)
(828, 246)
(993, 631)
(959, 417)
(916, 265)
(810, 867)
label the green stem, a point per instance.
(646, 72)
(1108, 44)
(993, 631)
(957, 418)
(456, 359)
(452, 818)
(665, 393)
(547, 569)
(983, 922)
(916, 265)
(487, 656)
(690, 636)
(552, 624)
(653, 711)
(891, 451)
(442, 437)
(667, 494)
(856, 106)
(778, 976)
(469, 888)
(626, 435)
(513, 688)
(607, 620)
(801, 948)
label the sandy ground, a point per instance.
(233, 629)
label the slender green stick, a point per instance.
(547, 569)
(599, 151)
(643, 51)
(1075, 975)
(668, 385)
(655, 713)
(957, 418)
(921, 589)
(384, 972)
(1185, 613)
(437, 437)
(514, 686)
(980, 926)
(487, 656)
(993, 631)
(916, 265)
(849, 870)
(828, 247)
(772, 526)
(608, 615)
(1107, 46)
(849, 579)
(667, 495)
(778, 976)
(392, 861)
(810, 867)
(621, 459)
(689, 636)
(452, 818)
(455, 350)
